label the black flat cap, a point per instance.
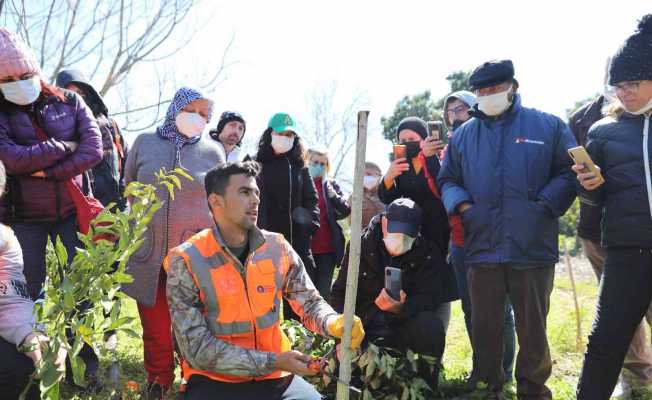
(491, 73)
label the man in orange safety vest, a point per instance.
(225, 288)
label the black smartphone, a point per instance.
(436, 128)
(393, 282)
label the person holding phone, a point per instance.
(408, 176)
(418, 318)
(620, 146)
(508, 175)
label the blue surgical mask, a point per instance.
(316, 171)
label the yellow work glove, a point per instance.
(336, 328)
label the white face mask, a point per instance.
(643, 110)
(370, 181)
(190, 124)
(494, 104)
(282, 144)
(398, 243)
(22, 92)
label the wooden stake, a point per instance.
(354, 256)
(578, 318)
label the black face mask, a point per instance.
(456, 124)
(412, 149)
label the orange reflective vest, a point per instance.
(240, 310)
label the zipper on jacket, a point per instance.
(167, 208)
(646, 160)
(290, 201)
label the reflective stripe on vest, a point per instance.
(233, 303)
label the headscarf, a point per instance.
(168, 129)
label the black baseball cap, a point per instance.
(404, 216)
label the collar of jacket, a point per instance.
(255, 238)
(513, 109)
(593, 111)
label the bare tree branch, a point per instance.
(110, 39)
(332, 126)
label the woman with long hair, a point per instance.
(288, 198)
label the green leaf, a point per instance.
(176, 181)
(121, 277)
(405, 395)
(62, 254)
(78, 367)
(182, 172)
(50, 377)
(130, 332)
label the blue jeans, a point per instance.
(509, 338)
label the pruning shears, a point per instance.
(318, 364)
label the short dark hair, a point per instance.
(217, 179)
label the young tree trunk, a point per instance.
(354, 257)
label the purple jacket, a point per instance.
(23, 153)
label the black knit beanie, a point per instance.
(633, 61)
(415, 124)
(225, 118)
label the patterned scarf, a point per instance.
(169, 129)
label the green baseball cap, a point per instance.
(281, 122)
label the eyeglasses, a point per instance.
(457, 110)
(624, 87)
(501, 87)
(318, 163)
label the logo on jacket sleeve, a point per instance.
(521, 140)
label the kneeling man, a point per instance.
(225, 286)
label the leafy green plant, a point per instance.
(79, 294)
(379, 372)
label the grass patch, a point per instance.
(567, 360)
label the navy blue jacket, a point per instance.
(515, 170)
(617, 147)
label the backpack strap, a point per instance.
(429, 178)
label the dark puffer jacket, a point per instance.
(588, 226)
(621, 147)
(67, 118)
(108, 175)
(516, 172)
(427, 280)
(288, 201)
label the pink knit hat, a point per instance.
(16, 58)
